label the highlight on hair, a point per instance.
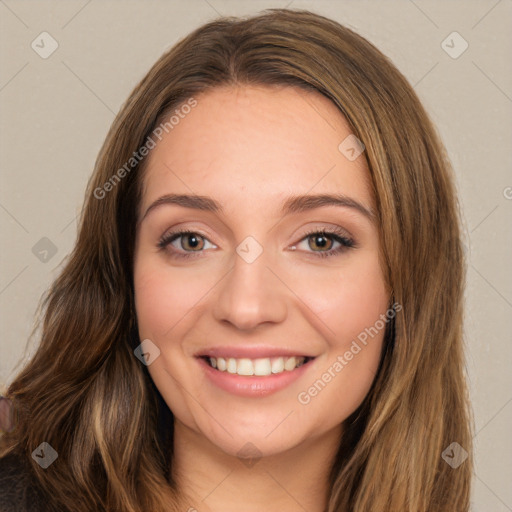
(86, 394)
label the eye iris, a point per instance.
(194, 244)
(319, 237)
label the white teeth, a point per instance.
(231, 365)
(244, 367)
(277, 365)
(290, 364)
(260, 367)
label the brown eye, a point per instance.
(183, 244)
(321, 241)
(327, 243)
(191, 241)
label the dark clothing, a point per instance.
(17, 489)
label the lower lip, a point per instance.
(252, 386)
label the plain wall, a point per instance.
(56, 112)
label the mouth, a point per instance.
(253, 371)
(260, 367)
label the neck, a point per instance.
(209, 479)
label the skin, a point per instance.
(249, 148)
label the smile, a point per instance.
(257, 367)
(257, 377)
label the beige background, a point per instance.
(56, 113)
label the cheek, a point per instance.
(351, 304)
(348, 299)
(164, 295)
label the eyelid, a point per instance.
(336, 233)
(168, 237)
(327, 228)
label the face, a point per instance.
(268, 312)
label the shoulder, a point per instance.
(17, 490)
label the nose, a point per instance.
(251, 294)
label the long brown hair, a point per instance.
(87, 395)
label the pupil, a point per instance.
(195, 241)
(322, 240)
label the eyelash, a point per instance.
(336, 234)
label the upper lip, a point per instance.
(255, 352)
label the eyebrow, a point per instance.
(293, 204)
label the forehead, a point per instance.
(252, 146)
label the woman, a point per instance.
(309, 355)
